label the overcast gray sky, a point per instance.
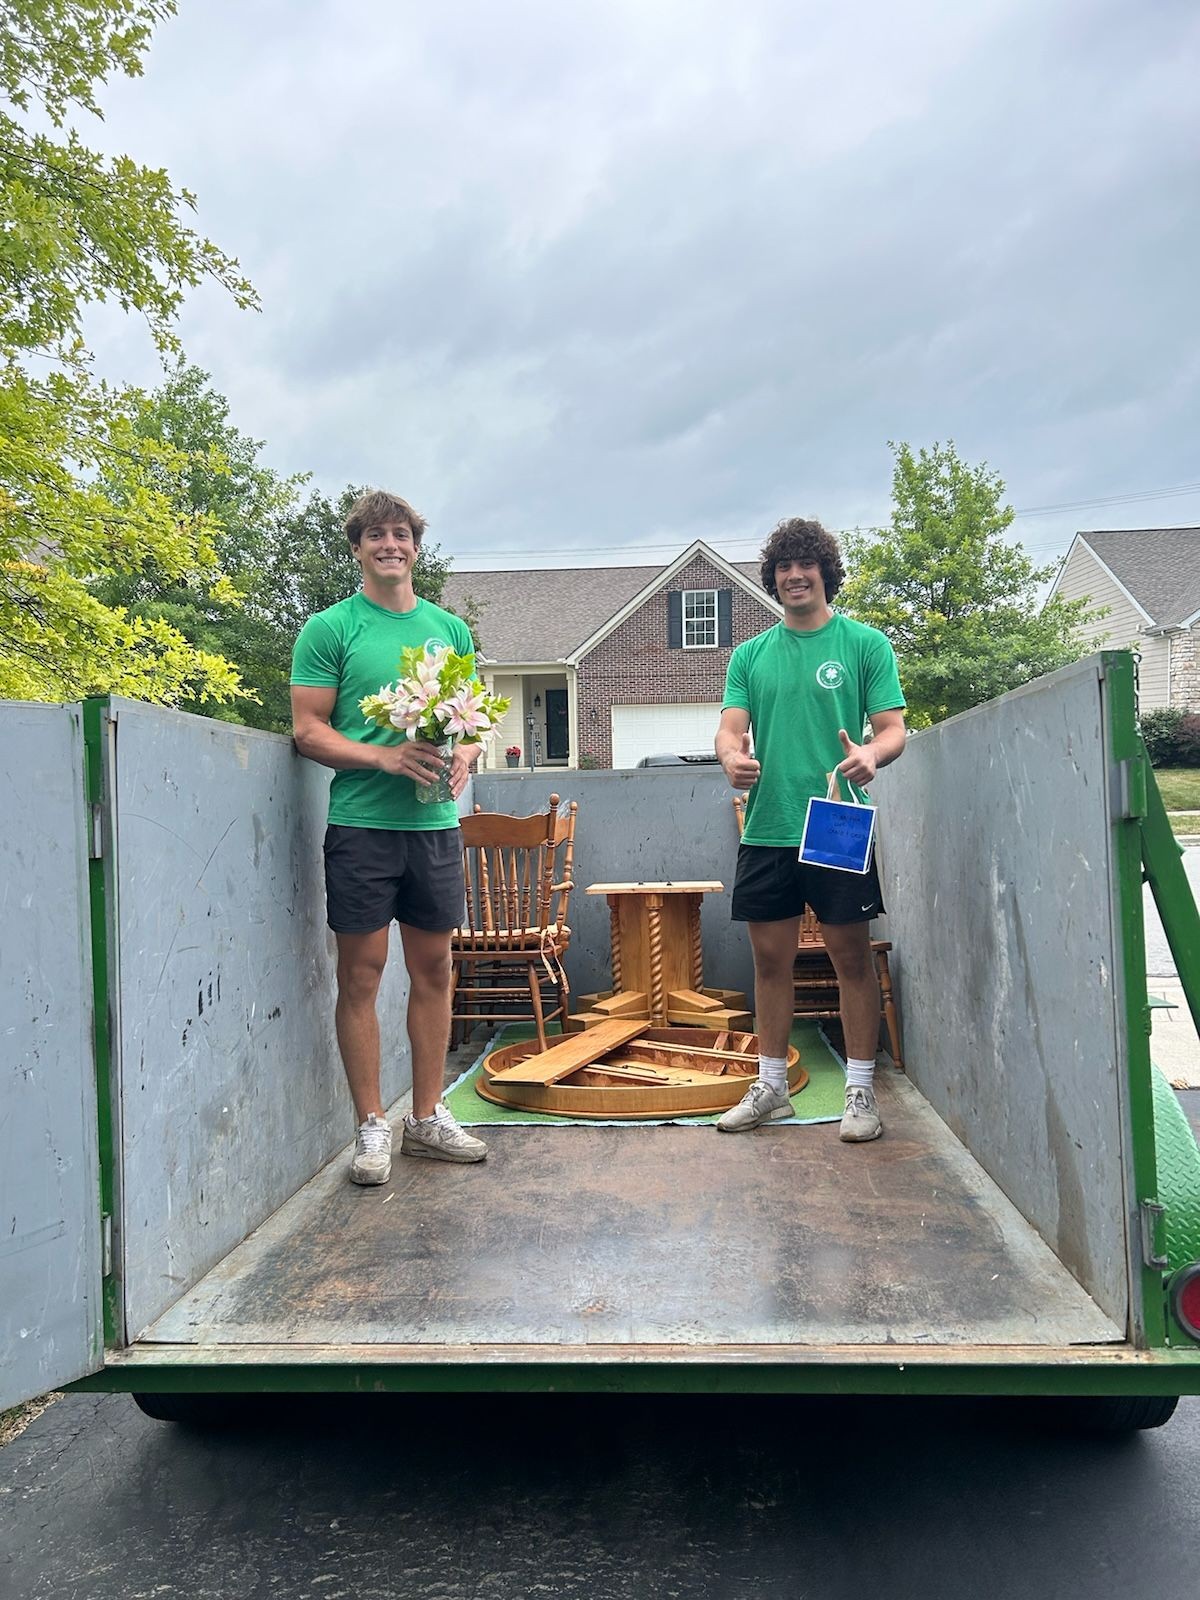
(587, 279)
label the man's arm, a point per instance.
(462, 764)
(316, 739)
(864, 760)
(732, 745)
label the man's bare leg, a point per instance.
(766, 1100)
(427, 957)
(849, 947)
(361, 960)
(774, 947)
(431, 1132)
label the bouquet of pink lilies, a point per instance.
(437, 698)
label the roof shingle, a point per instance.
(1159, 566)
(545, 614)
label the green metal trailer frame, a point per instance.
(1165, 1160)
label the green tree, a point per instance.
(243, 502)
(84, 488)
(957, 600)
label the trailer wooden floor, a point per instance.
(670, 1235)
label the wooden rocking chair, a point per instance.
(816, 984)
(508, 954)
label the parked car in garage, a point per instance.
(686, 759)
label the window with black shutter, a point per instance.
(699, 619)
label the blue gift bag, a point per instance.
(838, 834)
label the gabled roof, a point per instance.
(1159, 568)
(684, 559)
(544, 615)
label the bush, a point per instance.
(1187, 740)
(588, 762)
(1161, 734)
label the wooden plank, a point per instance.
(575, 1051)
(648, 1047)
(154, 1352)
(646, 1072)
(162, 1356)
(720, 1019)
(710, 887)
(691, 1000)
(624, 1004)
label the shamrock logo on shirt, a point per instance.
(831, 674)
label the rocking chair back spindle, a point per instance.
(509, 949)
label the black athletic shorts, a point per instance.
(773, 884)
(375, 874)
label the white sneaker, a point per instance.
(860, 1120)
(760, 1103)
(372, 1152)
(440, 1138)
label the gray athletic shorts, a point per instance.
(373, 875)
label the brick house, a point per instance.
(610, 664)
(1149, 581)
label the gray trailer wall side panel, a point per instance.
(649, 824)
(996, 859)
(231, 1087)
(50, 1311)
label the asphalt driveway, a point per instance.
(600, 1500)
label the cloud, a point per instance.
(597, 276)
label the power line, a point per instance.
(1137, 497)
(1111, 500)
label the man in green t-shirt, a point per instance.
(387, 855)
(807, 687)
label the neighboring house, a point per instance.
(609, 664)
(1149, 581)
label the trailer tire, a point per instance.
(194, 1410)
(1114, 1414)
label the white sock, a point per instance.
(859, 1074)
(773, 1070)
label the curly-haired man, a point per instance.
(807, 687)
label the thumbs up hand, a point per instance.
(741, 768)
(859, 765)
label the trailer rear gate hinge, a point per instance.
(106, 1250)
(1152, 1216)
(1130, 793)
(96, 839)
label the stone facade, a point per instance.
(634, 665)
(1185, 670)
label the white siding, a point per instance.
(1123, 628)
(510, 727)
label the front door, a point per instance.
(557, 740)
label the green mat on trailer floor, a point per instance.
(821, 1099)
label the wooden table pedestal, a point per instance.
(657, 961)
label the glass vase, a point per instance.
(438, 792)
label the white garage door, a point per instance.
(639, 731)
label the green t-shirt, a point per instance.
(354, 647)
(800, 688)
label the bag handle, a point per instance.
(834, 792)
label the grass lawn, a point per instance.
(1182, 826)
(1180, 788)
